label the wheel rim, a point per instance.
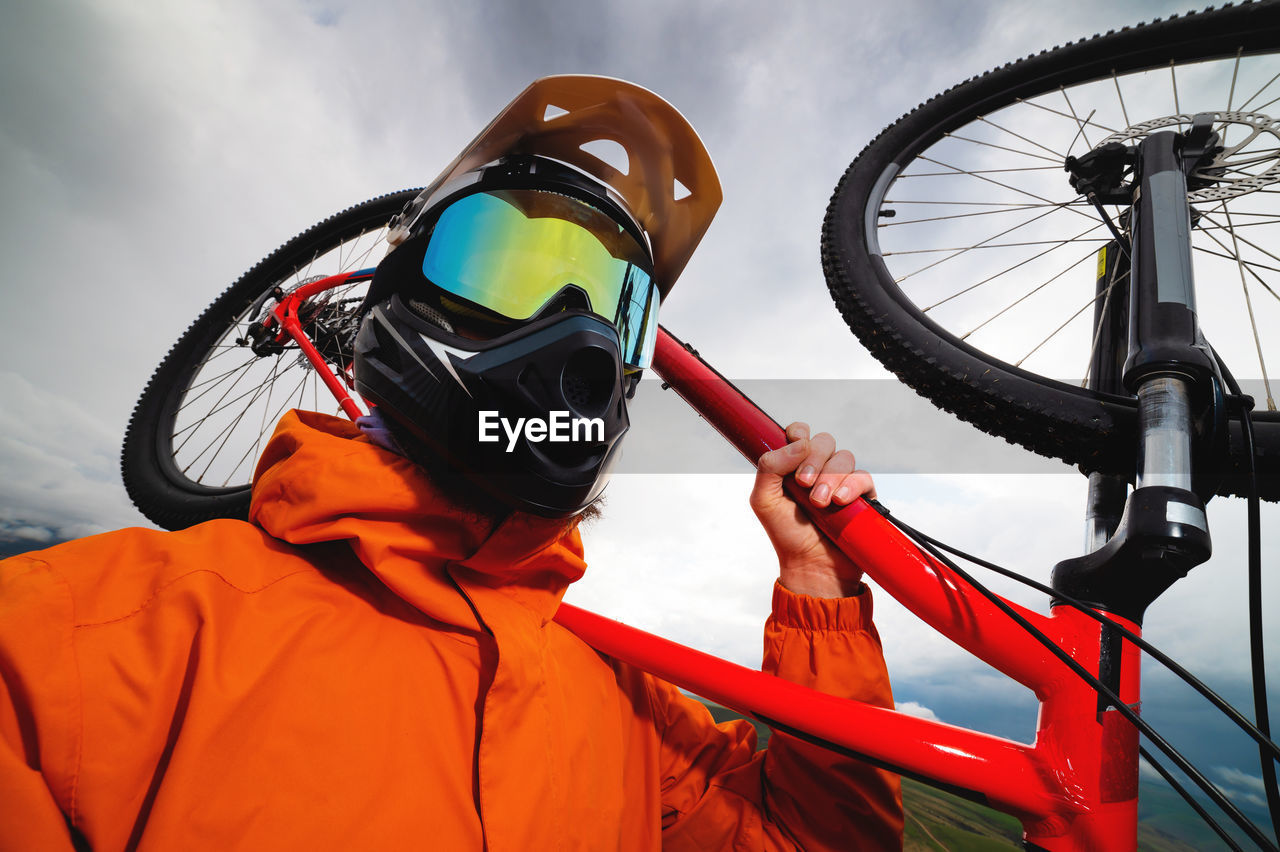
(227, 406)
(981, 232)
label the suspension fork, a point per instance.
(1162, 532)
(1169, 366)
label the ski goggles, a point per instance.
(514, 252)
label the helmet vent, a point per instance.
(588, 381)
(577, 392)
(430, 314)
(610, 153)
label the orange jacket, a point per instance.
(363, 667)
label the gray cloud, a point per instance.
(60, 475)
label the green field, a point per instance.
(938, 821)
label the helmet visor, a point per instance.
(514, 252)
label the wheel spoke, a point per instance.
(985, 246)
(1053, 333)
(1231, 93)
(1097, 331)
(1076, 117)
(896, 223)
(256, 443)
(1057, 155)
(1249, 243)
(1055, 204)
(195, 426)
(1075, 202)
(1258, 93)
(1089, 121)
(1235, 73)
(342, 264)
(1226, 254)
(188, 400)
(364, 256)
(1234, 227)
(1267, 104)
(222, 406)
(268, 422)
(975, 245)
(1001, 148)
(1120, 97)
(981, 172)
(224, 433)
(262, 427)
(240, 329)
(1009, 269)
(1079, 134)
(217, 351)
(1024, 297)
(1253, 323)
(227, 432)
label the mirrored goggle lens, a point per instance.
(514, 251)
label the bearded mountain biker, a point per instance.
(370, 661)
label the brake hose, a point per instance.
(1257, 659)
(1127, 712)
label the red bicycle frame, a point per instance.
(1074, 788)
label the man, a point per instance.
(371, 661)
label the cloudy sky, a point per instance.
(151, 152)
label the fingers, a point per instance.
(823, 458)
(855, 484)
(797, 430)
(831, 474)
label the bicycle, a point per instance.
(1157, 401)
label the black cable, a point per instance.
(1182, 791)
(1256, 652)
(1155, 653)
(1120, 238)
(1209, 789)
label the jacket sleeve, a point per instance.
(719, 793)
(38, 707)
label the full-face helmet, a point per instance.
(506, 330)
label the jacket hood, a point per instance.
(320, 480)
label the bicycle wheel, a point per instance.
(195, 435)
(959, 254)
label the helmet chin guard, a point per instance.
(535, 418)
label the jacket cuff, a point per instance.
(805, 612)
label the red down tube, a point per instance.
(1010, 776)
